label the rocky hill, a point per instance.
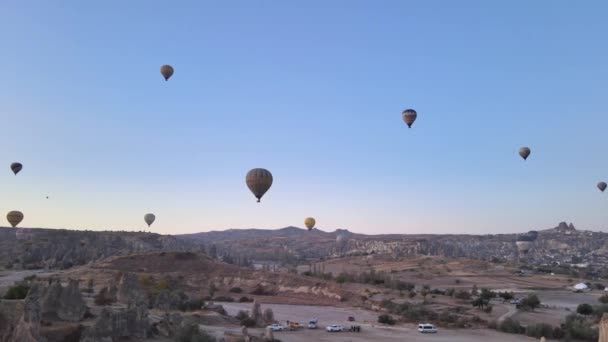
(563, 244)
(54, 248)
(60, 248)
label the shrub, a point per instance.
(506, 295)
(245, 299)
(192, 333)
(236, 290)
(465, 295)
(192, 305)
(449, 292)
(584, 309)
(604, 299)
(511, 326)
(558, 333)
(488, 309)
(17, 292)
(223, 299)
(457, 281)
(248, 322)
(386, 319)
(539, 330)
(241, 315)
(577, 327)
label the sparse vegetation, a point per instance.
(511, 326)
(578, 327)
(192, 304)
(236, 290)
(584, 309)
(223, 299)
(464, 295)
(248, 322)
(603, 299)
(192, 333)
(531, 302)
(241, 315)
(245, 299)
(540, 330)
(17, 292)
(386, 319)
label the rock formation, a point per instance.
(603, 327)
(64, 303)
(113, 325)
(129, 291)
(28, 327)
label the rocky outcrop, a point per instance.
(129, 290)
(56, 248)
(169, 300)
(63, 303)
(603, 327)
(11, 312)
(28, 327)
(112, 325)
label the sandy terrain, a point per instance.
(371, 331)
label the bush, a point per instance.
(506, 295)
(17, 292)
(465, 295)
(248, 322)
(192, 333)
(245, 299)
(449, 292)
(236, 290)
(511, 326)
(558, 333)
(577, 327)
(411, 294)
(223, 299)
(584, 309)
(539, 330)
(604, 299)
(241, 315)
(386, 319)
(192, 305)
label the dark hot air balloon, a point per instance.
(258, 181)
(149, 218)
(167, 71)
(409, 116)
(524, 152)
(310, 222)
(14, 218)
(602, 186)
(16, 167)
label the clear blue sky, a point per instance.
(312, 91)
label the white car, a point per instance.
(334, 328)
(276, 327)
(427, 328)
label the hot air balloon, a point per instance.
(14, 218)
(149, 218)
(524, 152)
(409, 116)
(602, 186)
(16, 167)
(310, 222)
(258, 181)
(167, 71)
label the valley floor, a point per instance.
(370, 330)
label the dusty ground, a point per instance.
(371, 331)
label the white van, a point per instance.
(427, 328)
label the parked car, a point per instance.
(334, 328)
(515, 301)
(276, 327)
(312, 324)
(427, 328)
